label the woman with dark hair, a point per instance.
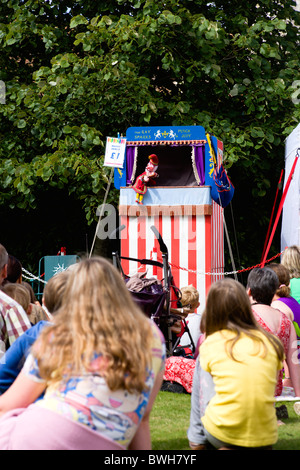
(14, 271)
(262, 285)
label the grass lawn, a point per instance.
(170, 416)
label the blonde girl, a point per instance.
(100, 363)
(291, 260)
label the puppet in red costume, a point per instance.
(147, 178)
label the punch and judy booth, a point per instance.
(180, 205)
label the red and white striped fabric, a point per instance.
(193, 234)
(217, 235)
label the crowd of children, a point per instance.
(90, 378)
(82, 370)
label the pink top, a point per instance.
(283, 333)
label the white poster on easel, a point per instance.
(115, 152)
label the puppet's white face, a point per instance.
(150, 167)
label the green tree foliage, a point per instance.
(76, 72)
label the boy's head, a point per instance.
(190, 298)
(19, 293)
(14, 270)
(3, 263)
(262, 285)
(54, 291)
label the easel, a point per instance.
(113, 162)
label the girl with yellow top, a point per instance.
(243, 360)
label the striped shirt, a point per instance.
(13, 321)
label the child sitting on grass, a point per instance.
(243, 360)
(20, 294)
(190, 303)
(179, 370)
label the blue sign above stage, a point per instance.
(157, 134)
(161, 135)
(165, 133)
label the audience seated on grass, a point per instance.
(99, 351)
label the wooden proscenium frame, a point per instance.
(189, 221)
